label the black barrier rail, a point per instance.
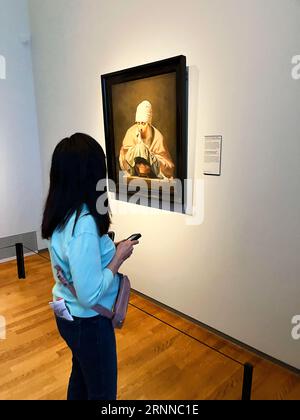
(248, 367)
(20, 258)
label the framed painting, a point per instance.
(145, 121)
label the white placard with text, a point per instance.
(212, 155)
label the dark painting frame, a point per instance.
(175, 65)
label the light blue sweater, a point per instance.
(84, 258)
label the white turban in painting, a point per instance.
(144, 112)
(151, 148)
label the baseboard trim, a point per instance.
(4, 260)
(43, 250)
(246, 347)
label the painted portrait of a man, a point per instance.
(144, 152)
(146, 129)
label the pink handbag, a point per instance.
(118, 314)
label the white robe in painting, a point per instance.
(152, 148)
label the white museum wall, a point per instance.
(239, 270)
(20, 162)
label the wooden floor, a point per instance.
(156, 361)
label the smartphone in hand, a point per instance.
(134, 237)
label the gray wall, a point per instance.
(237, 271)
(20, 162)
(8, 249)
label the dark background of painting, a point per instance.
(161, 92)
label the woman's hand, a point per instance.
(125, 249)
(123, 252)
(118, 243)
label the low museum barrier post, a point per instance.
(247, 382)
(20, 261)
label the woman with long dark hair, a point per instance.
(80, 245)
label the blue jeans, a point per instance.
(93, 345)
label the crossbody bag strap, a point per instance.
(97, 308)
(64, 281)
(103, 311)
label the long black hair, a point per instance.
(78, 163)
